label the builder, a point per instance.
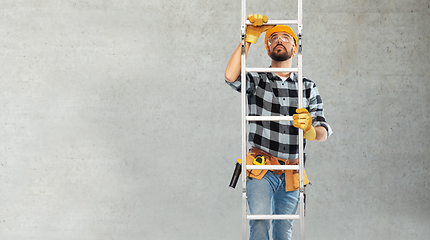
(275, 94)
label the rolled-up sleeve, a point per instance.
(250, 83)
(317, 111)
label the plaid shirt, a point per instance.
(268, 95)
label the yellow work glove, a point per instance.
(254, 31)
(303, 120)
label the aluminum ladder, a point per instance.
(246, 118)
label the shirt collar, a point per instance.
(292, 77)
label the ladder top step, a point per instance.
(277, 22)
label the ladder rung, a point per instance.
(269, 118)
(276, 217)
(272, 167)
(271, 69)
(277, 22)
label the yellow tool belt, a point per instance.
(292, 182)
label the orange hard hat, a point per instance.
(280, 28)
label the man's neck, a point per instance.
(282, 64)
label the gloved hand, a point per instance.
(254, 31)
(303, 120)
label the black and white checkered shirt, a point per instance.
(268, 95)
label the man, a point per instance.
(275, 94)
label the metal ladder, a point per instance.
(246, 118)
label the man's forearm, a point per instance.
(233, 69)
(321, 134)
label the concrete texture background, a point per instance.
(116, 122)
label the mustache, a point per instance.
(279, 44)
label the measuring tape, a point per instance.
(259, 160)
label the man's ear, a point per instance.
(294, 51)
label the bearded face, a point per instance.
(281, 53)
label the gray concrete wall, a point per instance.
(116, 123)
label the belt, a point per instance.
(272, 160)
(288, 162)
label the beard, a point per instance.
(277, 54)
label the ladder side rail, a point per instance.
(301, 153)
(244, 122)
(301, 145)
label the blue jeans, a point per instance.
(268, 196)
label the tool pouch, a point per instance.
(292, 180)
(257, 174)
